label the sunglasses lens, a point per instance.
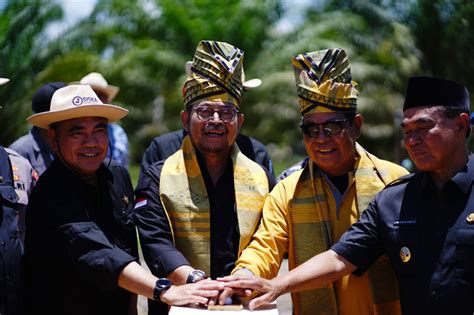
(329, 128)
(334, 127)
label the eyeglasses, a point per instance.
(330, 128)
(225, 114)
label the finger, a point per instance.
(259, 301)
(207, 293)
(189, 299)
(238, 292)
(244, 284)
(212, 301)
(226, 293)
(234, 278)
(197, 299)
(214, 285)
(227, 278)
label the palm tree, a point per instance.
(23, 53)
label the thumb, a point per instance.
(259, 301)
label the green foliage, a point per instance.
(22, 55)
(141, 46)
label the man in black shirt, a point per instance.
(424, 221)
(81, 248)
(198, 209)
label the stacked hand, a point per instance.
(200, 292)
(243, 285)
(221, 291)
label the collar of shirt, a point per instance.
(462, 179)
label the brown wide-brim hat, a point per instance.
(3, 81)
(98, 83)
(76, 101)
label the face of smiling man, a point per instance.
(81, 142)
(335, 154)
(213, 126)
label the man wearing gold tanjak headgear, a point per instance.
(308, 211)
(198, 209)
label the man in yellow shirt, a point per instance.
(308, 211)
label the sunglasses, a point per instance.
(225, 114)
(330, 128)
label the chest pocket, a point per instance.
(10, 215)
(465, 252)
(123, 207)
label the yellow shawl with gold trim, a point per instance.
(310, 221)
(184, 197)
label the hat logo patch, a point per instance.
(79, 100)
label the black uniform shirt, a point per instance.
(78, 240)
(155, 232)
(437, 276)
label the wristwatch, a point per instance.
(195, 276)
(161, 285)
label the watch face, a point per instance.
(195, 276)
(163, 282)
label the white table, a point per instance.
(268, 310)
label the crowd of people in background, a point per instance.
(361, 234)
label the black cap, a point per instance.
(42, 98)
(431, 91)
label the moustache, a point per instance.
(214, 127)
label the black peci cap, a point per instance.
(42, 98)
(431, 91)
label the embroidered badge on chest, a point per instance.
(125, 200)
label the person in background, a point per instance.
(118, 150)
(292, 169)
(307, 212)
(17, 178)
(81, 245)
(197, 210)
(424, 221)
(35, 146)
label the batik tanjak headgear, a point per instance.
(324, 82)
(216, 74)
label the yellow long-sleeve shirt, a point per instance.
(274, 238)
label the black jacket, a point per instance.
(78, 239)
(11, 247)
(428, 238)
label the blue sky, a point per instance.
(74, 10)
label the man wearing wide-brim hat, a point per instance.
(118, 139)
(308, 211)
(81, 247)
(424, 221)
(198, 209)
